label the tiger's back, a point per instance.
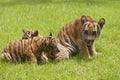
(19, 50)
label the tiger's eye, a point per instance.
(28, 33)
(86, 32)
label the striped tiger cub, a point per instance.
(28, 49)
(30, 34)
(51, 55)
(80, 35)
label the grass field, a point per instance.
(50, 16)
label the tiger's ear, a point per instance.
(35, 33)
(83, 19)
(50, 35)
(101, 22)
(23, 30)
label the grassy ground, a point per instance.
(50, 16)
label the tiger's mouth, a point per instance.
(90, 42)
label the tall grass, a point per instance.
(50, 16)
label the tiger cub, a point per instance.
(80, 35)
(53, 42)
(30, 34)
(27, 49)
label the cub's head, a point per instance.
(29, 34)
(50, 46)
(90, 28)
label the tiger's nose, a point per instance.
(89, 38)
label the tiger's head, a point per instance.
(91, 29)
(50, 46)
(29, 34)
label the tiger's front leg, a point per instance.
(32, 57)
(83, 47)
(44, 57)
(92, 49)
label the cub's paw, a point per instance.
(60, 56)
(44, 58)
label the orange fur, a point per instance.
(80, 35)
(32, 48)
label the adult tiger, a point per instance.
(79, 35)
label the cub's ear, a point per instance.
(50, 35)
(35, 33)
(23, 30)
(83, 19)
(101, 22)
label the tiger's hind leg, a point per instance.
(92, 49)
(6, 56)
(63, 54)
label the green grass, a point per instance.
(50, 16)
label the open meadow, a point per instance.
(50, 16)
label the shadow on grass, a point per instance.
(21, 63)
(2, 61)
(78, 58)
(81, 57)
(37, 2)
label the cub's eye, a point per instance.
(28, 33)
(86, 32)
(94, 33)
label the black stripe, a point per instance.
(32, 49)
(63, 29)
(15, 47)
(19, 48)
(84, 26)
(21, 41)
(59, 35)
(17, 51)
(31, 42)
(10, 50)
(68, 34)
(24, 43)
(37, 44)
